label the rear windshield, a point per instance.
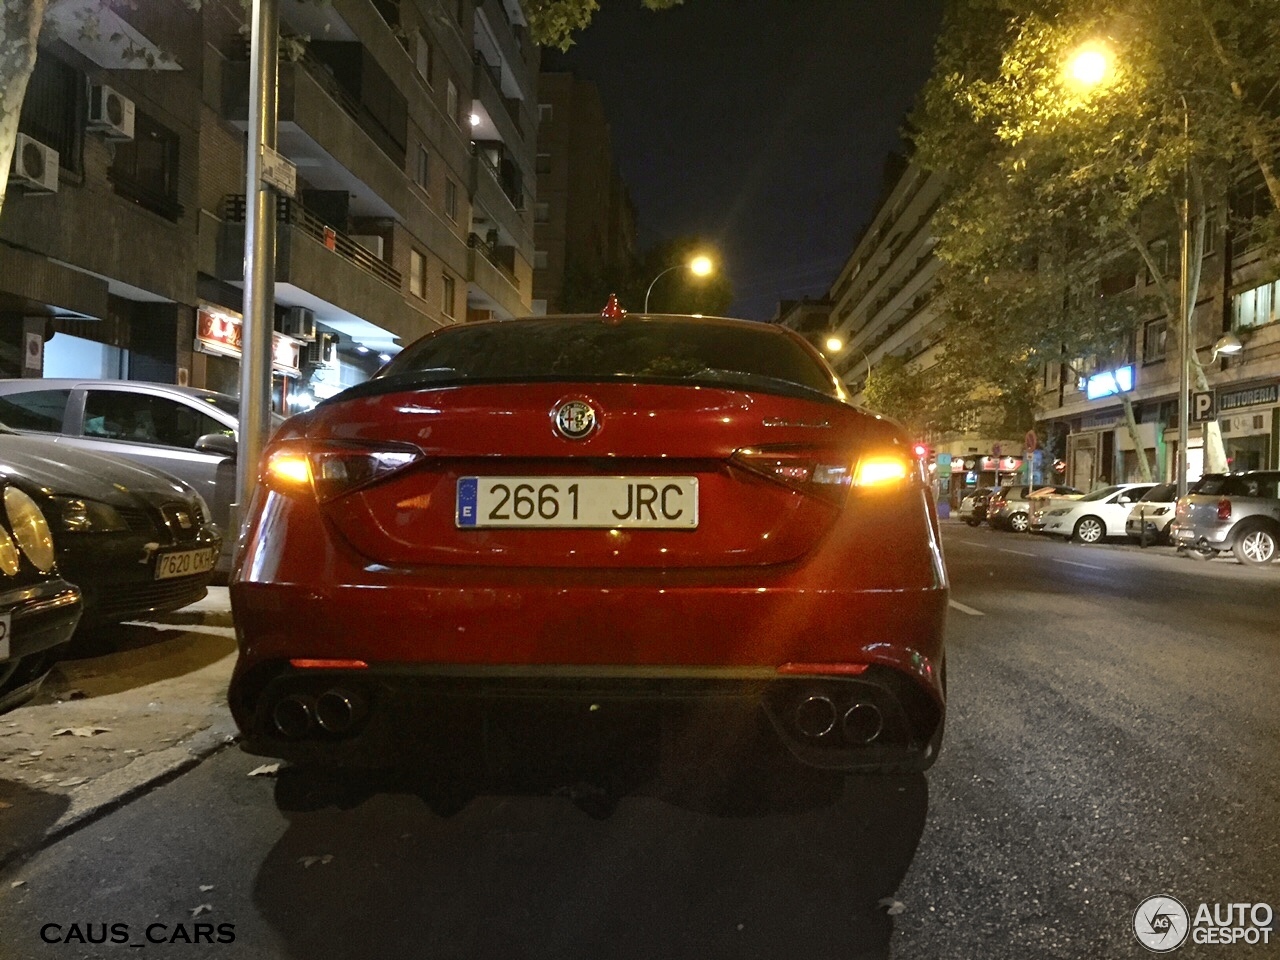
(1161, 493)
(1252, 485)
(1210, 484)
(661, 350)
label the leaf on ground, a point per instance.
(266, 770)
(203, 908)
(17, 883)
(35, 753)
(310, 861)
(80, 731)
(73, 781)
(5, 806)
(891, 906)
(206, 887)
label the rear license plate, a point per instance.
(185, 563)
(659, 503)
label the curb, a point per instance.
(114, 789)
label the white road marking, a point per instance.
(963, 609)
(1074, 563)
(185, 628)
(1020, 553)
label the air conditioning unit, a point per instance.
(321, 351)
(111, 113)
(299, 323)
(371, 242)
(35, 166)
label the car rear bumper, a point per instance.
(1201, 535)
(438, 651)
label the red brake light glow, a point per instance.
(304, 663)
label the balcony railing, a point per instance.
(494, 255)
(511, 105)
(295, 214)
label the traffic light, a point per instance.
(921, 450)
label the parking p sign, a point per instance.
(1204, 407)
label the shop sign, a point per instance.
(220, 332)
(1249, 397)
(1109, 383)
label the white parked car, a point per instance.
(1094, 516)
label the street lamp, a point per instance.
(1227, 345)
(699, 266)
(1090, 66)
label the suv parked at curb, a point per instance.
(1239, 512)
(973, 508)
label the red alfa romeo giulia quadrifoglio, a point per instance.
(590, 513)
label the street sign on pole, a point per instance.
(279, 173)
(1204, 406)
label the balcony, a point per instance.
(504, 111)
(491, 279)
(293, 213)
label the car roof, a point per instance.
(70, 383)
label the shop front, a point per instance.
(1250, 417)
(216, 365)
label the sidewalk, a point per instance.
(105, 728)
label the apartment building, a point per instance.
(411, 124)
(585, 222)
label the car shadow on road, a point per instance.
(25, 812)
(118, 658)
(592, 859)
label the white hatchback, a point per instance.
(1094, 516)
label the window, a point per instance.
(34, 410)
(55, 108)
(541, 212)
(446, 295)
(422, 168)
(424, 56)
(1155, 340)
(543, 163)
(146, 168)
(417, 274)
(144, 418)
(539, 259)
(451, 103)
(545, 113)
(1260, 305)
(451, 199)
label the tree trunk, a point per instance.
(1131, 422)
(20, 22)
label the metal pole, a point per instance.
(655, 280)
(259, 258)
(1184, 320)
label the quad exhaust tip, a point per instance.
(862, 723)
(815, 716)
(337, 711)
(293, 716)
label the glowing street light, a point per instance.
(834, 344)
(699, 266)
(1090, 65)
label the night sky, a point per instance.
(761, 124)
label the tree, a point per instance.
(1059, 187)
(554, 22)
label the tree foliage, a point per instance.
(1056, 187)
(554, 22)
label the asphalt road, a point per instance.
(1113, 734)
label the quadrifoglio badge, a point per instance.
(1162, 924)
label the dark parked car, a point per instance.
(38, 609)
(1239, 512)
(591, 515)
(135, 541)
(182, 431)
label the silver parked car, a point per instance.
(184, 431)
(1239, 512)
(1010, 507)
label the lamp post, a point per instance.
(834, 344)
(699, 266)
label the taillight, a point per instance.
(329, 469)
(1224, 509)
(813, 471)
(827, 473)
